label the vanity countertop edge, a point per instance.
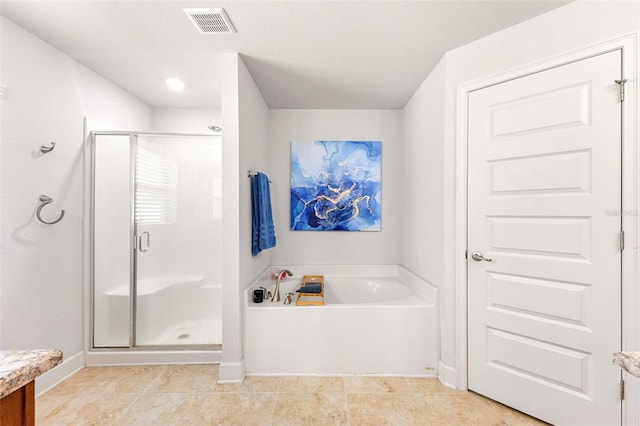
(17, 368)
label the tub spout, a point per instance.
(276, 293)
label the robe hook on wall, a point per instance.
(45, 149)
(45, 199)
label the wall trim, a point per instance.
(630, 201)
(87, 239)
(53, 377)
(140, 357)
(447, 375)
(231, 372)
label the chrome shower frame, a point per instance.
(133, 267)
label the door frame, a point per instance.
(630, 204)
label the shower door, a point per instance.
(157, 240)
(177, 296)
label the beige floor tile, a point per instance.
(383, 409)
(503, 415)
(311, 384)
(185, 379)
(87, 409)
(456, 409)
(252, 384)
(189, 395)
(359, 384)
(310, 409)
(235, 409)
(108, 380)
(161, 409)
(428, 385)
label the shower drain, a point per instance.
(183, 336)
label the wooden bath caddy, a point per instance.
(315, 299)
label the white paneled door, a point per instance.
(544, 251)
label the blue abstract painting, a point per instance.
(335, 185)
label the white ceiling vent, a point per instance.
(210, 20)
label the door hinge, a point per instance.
(135, 243)
(621, 390)
(466, 254)
(621, 240)
(621, 83)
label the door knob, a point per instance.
(478, 257)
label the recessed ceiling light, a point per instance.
(175, 84)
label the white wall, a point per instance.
(423, 212)
(245, 126)
(568, 29)
(310, 247)
(185, 120)
(48, 94)
(254, 155)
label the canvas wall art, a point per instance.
(335, 185)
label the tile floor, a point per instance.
(189, 395)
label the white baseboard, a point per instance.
(231, 372)
(447, 375)
(69, 366)
(109, 357)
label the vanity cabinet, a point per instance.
(18, 408)
(18, 372)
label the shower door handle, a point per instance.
(148, 242)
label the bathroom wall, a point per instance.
(568, 29)
(423, 215)
(423, 156)
(309, 247)
(47, 96)
(245, 123)
(185, 120)
(255, 156)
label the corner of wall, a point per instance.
(51, 378)
(448, 376)
(231, 372)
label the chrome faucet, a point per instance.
(276, 293)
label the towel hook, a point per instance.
(45, 199)
(47, 149)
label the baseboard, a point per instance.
(447, 375)
(114, 357)
(231, 372)
(69, 366)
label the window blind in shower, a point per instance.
(156, 188)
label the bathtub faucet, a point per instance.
(276, 293)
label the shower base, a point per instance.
(202, 332)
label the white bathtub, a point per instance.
(388, 291)
(172, 310)
(369, 325)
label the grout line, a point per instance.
(417, 397)
(123, 412)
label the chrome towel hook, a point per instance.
(45, 199)
(46, 149)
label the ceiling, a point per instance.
(301, 53)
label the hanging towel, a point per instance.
(263, 235)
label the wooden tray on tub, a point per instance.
(314, 299)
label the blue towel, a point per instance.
(311, 288)
(263, 235)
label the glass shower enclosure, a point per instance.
(156, 240)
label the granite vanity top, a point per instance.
(628, 361)
(17, 368)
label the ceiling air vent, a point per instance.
(210, 21)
